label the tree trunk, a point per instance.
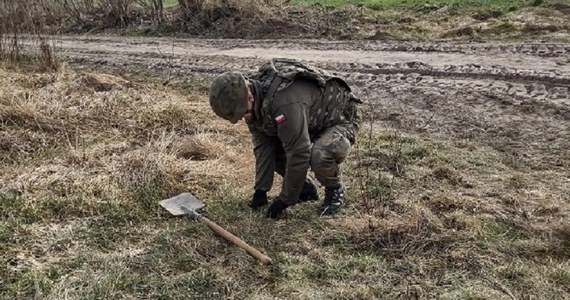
(159, 11)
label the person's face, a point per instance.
(248, 114)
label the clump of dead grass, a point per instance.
(419, 233)
(102, 122)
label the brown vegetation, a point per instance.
(269, 19)
(85, 158)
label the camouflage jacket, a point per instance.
(294, 104)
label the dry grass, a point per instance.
(408, 20)
(85, 158)
(264, 19)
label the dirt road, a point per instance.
(512, 97)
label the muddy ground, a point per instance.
(512, 97)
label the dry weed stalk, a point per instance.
(21, 28)
(361, 155)
(375, 189)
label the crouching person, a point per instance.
(300, 117)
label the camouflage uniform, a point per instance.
(303, 117)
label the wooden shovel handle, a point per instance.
(237, 241)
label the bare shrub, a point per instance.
(9, 46)
(47, 54)
(117, 12)
(23, 22)
(90, 14)
(234, 19)
(78, 10)
(192, 7)
(156, 7)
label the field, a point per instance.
(458, 186)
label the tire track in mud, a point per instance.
(525, 117)
(552, 82)
(537, 49)
(543, 84)
(542, 49)
(511, 97)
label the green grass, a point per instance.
(170, 3)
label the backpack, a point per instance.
(337, 97)
(277, 74)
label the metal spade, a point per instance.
(187, 204)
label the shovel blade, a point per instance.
(175, 204)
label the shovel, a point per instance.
(187, 204)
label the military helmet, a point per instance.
(228, 96)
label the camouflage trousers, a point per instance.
(329, 150)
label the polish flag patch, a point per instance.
(280, 119)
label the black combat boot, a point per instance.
(334, 199)
(309, 192)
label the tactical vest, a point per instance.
(336, 106)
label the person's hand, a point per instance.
(309, 192)
(276, 209)
(259, 199)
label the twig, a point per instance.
(428, 121)
(503, 288)
(357, 211)
(169, 62)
